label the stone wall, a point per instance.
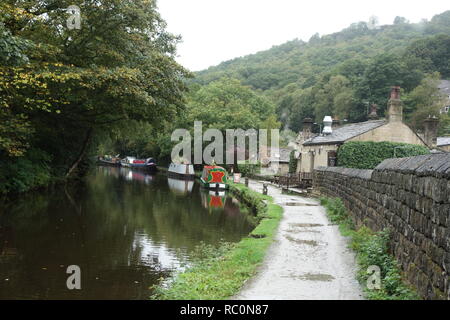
(411, 197)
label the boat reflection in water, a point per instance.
(213, 199)
(133, 175)
(180, 187)
(220, 201)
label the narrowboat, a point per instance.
(181, 170)
(133, 163)
(109, 161)
(214, 177)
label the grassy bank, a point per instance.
(219, 273)
(372, 250)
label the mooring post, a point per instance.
(246, 181)
(265, 189)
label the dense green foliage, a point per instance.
(367, 155)
(372, 250)
(342, 74)
(62, 91)
(223, 104)
(219, 273)
(426, 100)
(25, 173)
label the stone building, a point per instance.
(275, 161)
(321, 150)
(443, 143)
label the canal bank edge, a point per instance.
(222, 277)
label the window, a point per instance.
(332, 158)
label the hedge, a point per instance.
(248, 169)
(368, 155)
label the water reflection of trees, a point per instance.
(123, 233)
(175, 221)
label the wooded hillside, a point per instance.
(343, 73)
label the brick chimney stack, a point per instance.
(431, 129)
(373, 115)
(307, 128)
(395, 106)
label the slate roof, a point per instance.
(443, 141)
(444, 87)
(345, 133)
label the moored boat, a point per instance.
(132, 162)
(109, 160)
(214, 177)
(181, 170)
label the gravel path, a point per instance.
(309, 259)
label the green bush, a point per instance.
(25, 173)
(368, 155)
(247, 169)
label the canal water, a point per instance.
(126, 230)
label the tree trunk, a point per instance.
(86, 142)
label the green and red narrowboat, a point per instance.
(214, 177)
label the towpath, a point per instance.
(308, 260)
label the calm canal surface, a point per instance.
(126, 230)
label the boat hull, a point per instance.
(147, 167)
(109, 163)
(214, 186)
(181, 171)
(133, 163)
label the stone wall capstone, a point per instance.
(411, 197)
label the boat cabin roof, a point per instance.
(212, 167)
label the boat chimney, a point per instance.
(307, 128)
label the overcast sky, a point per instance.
(218, 30)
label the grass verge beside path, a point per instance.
(371, 250)
(219, 273)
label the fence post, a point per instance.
(265, 189)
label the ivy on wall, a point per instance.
(368, 155)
